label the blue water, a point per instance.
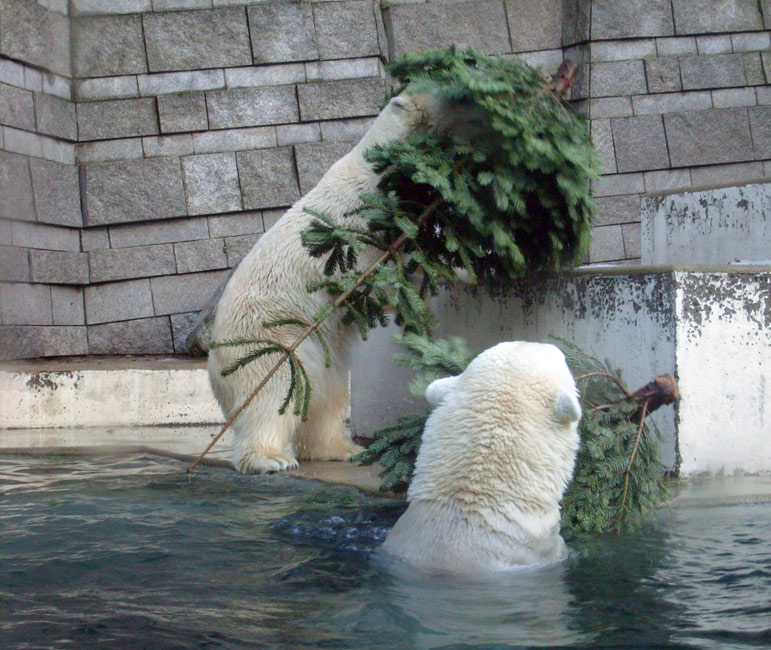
(130, 552)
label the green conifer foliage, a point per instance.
(618, 480)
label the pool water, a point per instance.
(130, 552)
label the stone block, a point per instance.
(760, 124)
(722, 174)
(67, 305)
(96, 7)
(115, 301)
(54, 84)
(189, 40)
(94, 239)
(25, 304)
(764, 95)
(640, 143)
(607, 244)
(751, 42)
(211, 183)
(345, 130)
(615, 184)
(38, 235)
(313, 161)
(142, 234)
(119, 118)
(606, 107)
(715, 44)
(15, 188)
(123, 87)
(282, 32)
(336, 99)
(178, 294)
(663, 75)
(270, 217)
(11, 73)
(419, 27)
(671, 102)
(712, 71)
(617, 78)
(707, 16)
(289, 134)
(6, 232)
(133, 190)
(715, 136)
(181, 326)
(342, 69)
(631, 19)
(168, 145)
(23, 142)
(136, 262)
(576, 21)
(165, 83)
(104, 46)
(244, 223)
(58, 267)
(346, 29)
(14, 263)
(259, 137)
(268, 178)
(185, 112)
(766, 56)
(627, 50)
(56, 117)
(669, 179)
(142, 336)
(676, 46)
(612, 210)
(753, 68)
(58, 151)
(631, 236)
(733, 97)
(265, 75)
(18, 342)
(238, 247)
(534, 25)
(166, 5)
(108, 150)
(602, 139)
(17, 107)
(201, 255)
(251, 107)
(31, 33)
(56, 189)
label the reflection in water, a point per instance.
(116, 552)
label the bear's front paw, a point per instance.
(251, 463)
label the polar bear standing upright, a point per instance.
(496, 456)
(270, 284)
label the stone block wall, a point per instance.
(146, 144)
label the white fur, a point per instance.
(497, 454)
(270, 284)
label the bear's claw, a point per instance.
(251, 464)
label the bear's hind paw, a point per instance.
(253, 464)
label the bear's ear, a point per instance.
(566, 408)
(399, 103)
(439, 389)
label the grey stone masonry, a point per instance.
(335, 99)
(718, 136)
(760, 123)
(188, 40)
(15, 187)
(14, 264)
(663, 75)
(345, 29)
(56, 191)
(17, 107)
(640, 143)
(713, 71)
(613, 210)
(38, 235)
(58, 267)
(631, 18)
(238, 247)
(119, 118)
(162, 232)
(268, 178)
(31, 33)
(211, 183)
(203, 255)
(142, 336)
(184, 112)
(115, 301)
(282, 32)
(244, 223)
(67, 305)
(56, 116)
(127, 263)
(105, 46)
(25, 304)
(251, 107)
(617, 78)
(177, 294)
(602, 138)
(418, 27)
(607, 244)
(181, 326)
(313, 161)
(700, 16)
(534, 25)
(134, 190)
(26, 342)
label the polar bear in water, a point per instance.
(496, 456)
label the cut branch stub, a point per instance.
(661, 391)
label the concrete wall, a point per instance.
(146, 144)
